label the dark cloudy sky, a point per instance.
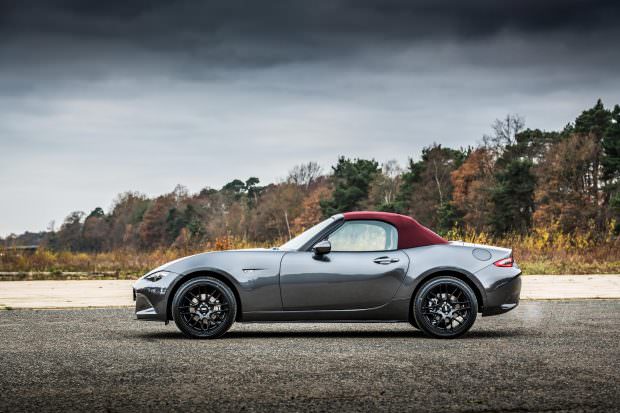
(99, 97)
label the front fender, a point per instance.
(254, 275)
(180, 279)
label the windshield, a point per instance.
(299, 241)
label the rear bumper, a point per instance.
(503, 297)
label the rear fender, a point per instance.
(414, 284)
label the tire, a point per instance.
(204, 307)
(445, 307)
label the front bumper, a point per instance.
(151, 299)
(503, 297)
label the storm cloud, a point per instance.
(104, 96)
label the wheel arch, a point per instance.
(459, 273)
(203, 273)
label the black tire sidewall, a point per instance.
(207, 281)
(424, 325)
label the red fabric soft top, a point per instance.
(411, 233)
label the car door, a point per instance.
(363, 270)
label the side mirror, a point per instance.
(322, 248)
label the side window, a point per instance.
(364, 236)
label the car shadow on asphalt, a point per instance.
(413, 334)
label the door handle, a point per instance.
(385, 260)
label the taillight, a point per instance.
(504, 262)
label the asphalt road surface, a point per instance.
(553, 355)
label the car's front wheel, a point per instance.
(204, 307)
(445, 307)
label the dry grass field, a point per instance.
(540, 252)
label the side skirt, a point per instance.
(395, 311)
(325, 321)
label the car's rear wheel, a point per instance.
(445, 307)
(204, 307)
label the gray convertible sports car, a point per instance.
(356, 266)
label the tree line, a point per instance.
(514, 180)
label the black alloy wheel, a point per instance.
(204, 307)
(445, 307)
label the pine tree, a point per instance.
(351, 183)
(513, 197)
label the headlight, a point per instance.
(156, 276)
